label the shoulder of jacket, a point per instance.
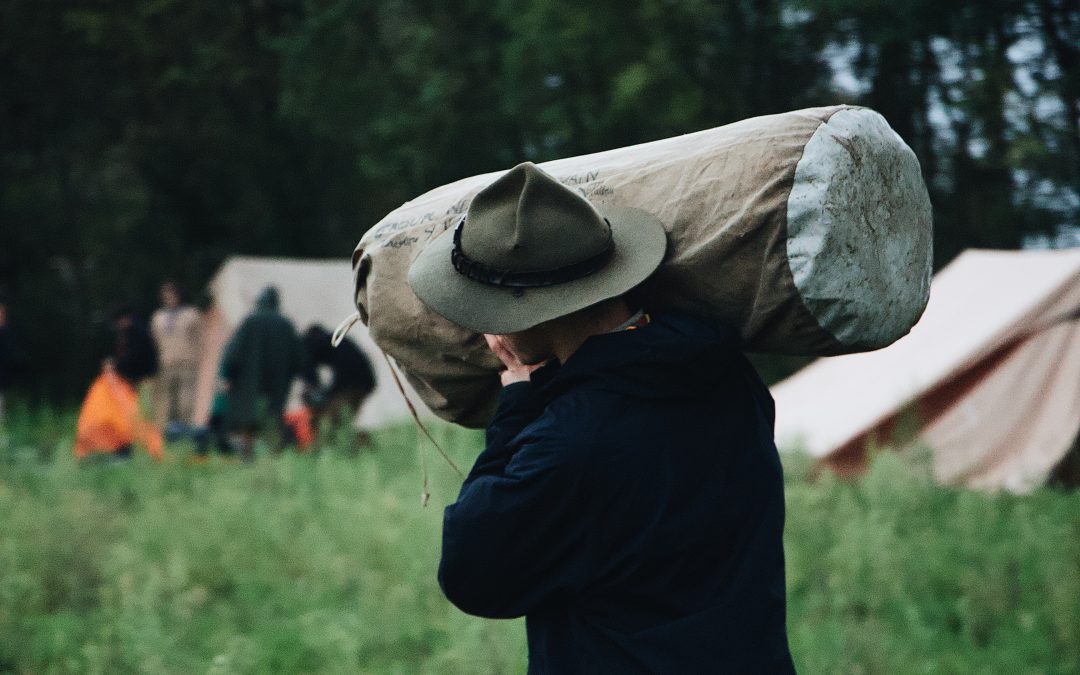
(574, 420)
(591, 405)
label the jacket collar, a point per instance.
(665, 354)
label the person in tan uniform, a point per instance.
(177, 331)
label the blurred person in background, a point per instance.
(176, 329)
(135, 357)
(260, 362)
(215, 433)
(110, 421)
(352, 378)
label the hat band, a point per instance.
(485, 274)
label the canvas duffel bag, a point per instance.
(808, 231)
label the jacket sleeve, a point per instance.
(515, 540)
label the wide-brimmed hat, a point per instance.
(529, 250)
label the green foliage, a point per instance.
(987, 94)
(151, 139)
(326, 563)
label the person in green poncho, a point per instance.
(260, 362)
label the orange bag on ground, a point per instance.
(300, 421)
(109, 419)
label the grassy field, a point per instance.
(326, 563)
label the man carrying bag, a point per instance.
(629, 501)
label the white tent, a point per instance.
(312, 291)
(989, 378)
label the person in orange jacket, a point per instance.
(110, 421)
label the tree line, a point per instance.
(152, 138)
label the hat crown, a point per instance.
(527, 221)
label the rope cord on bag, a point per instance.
(420, 425)
(343, 328)
(336, 339)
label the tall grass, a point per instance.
(326, 563)
(893, 574)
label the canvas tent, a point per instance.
(989, 379)
(312, 291)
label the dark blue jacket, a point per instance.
(630, 504)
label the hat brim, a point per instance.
(640, 243)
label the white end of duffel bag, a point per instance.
(862, 269)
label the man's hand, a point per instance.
(516, 371)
